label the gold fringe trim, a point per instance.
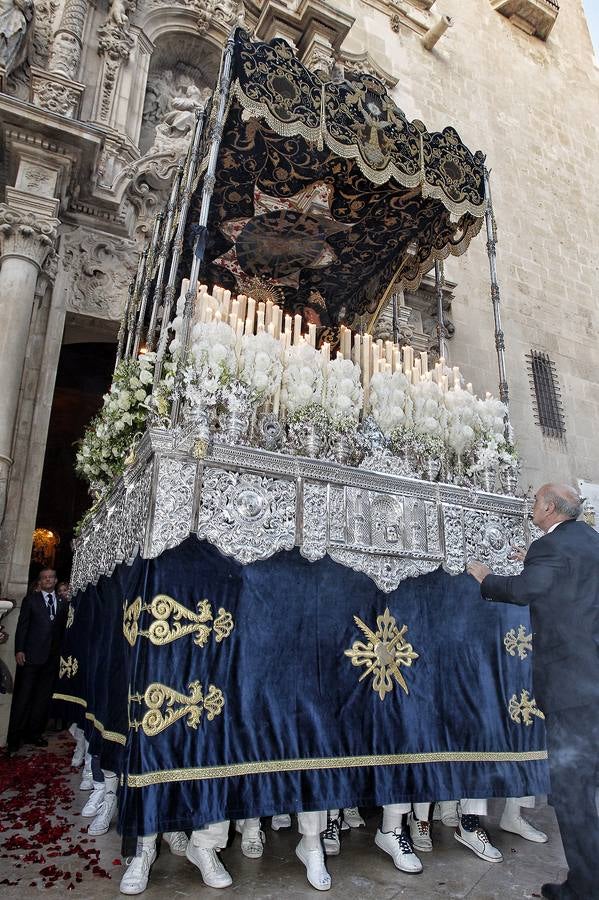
(344, 762)
(113, 736)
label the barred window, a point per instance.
(546, 396)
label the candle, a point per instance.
(388, 351)
(288, 324)
(271, 329)
(242, 300)
(326, 351)
(375, 358)
(424, 361)
(260, 318)
(339, 354)
(226, 303)
(357, 350)
(396, 360)
(444, 383)
(297, 332)
(249, 322)
(456, 375)
(268, 315)
(277, 316)
(366, 349)
(217, 316)
(346, 342)
(312, 335)
(469, 387)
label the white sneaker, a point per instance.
(331, 836)
(420, 834)
(94, 801)
(135, 878)
(101, 823)
(87, 781)
(252, 838)
(283, 820)
(478, 841)
(78, 753)
(316, 870)
(177, 842)
(211, 868)
(398, 845)
(519, 825)
(352, 818)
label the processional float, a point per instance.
(271, 611)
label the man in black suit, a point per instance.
(560, 583)
(38, 637)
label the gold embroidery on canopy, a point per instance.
(68, 667)
(518, 642)
(130, 620)
(166, 776)
(163, 711)
(173, 620)
(384, 652)
(521, 711)
(70, 616)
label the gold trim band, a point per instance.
(113, 736)
(165, 776)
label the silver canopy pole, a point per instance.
(495, 297)
(439, 283)
(200, 242)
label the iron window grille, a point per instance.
(546, 395)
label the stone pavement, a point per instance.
(44, 849)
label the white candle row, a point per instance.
(246, 316)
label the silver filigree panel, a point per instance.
(314, 520)
(492, 539)
(173, 504)
(245, 515)
(387, 572)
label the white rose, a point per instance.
(260, 381)
(140, 395)
(146, 376)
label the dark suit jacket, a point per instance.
(560, 582)
(36, 636)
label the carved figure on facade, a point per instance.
(174, 132)
(16, 28)
(101, 269)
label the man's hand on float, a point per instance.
(20, 658)
(518, 553)
(478, 570)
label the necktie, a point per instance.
(50, 605)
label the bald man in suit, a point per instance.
(560, 583)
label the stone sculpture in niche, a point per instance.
(174, 132)
(16, 27)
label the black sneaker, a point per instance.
(331, 836)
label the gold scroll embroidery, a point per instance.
(163, 710)
(173, 620)
(70, 616)
(521, 711)
(385, 651)
(68, 667)
(518, 642)
(130, 619)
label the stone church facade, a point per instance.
(97, 101)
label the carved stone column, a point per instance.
(57, 90)
(115, 44)
(28, 234)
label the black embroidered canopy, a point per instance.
(325, 192)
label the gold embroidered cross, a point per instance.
(385, 651)
(521, 711)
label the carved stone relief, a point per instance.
(101, 268)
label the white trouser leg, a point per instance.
(517, 803)
(392, 814)
(470, 807)
(212, 837)
(421, 811)
(310, 825)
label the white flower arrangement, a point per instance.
(343, 394)
(462, 421)
(213, 349)
(111, 435)
(260, 365)
(390, 401)
(430, 413)
(303, 378)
